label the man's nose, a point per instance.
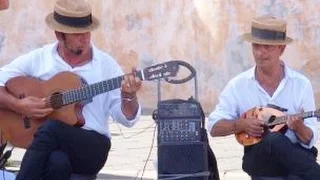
(259, 51)
(85, 38)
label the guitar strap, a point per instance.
(277, 107)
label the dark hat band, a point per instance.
(267, 34)
(73, 21)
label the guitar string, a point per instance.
(81, 93)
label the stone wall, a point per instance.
(204, 33)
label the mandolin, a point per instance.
(274, 121)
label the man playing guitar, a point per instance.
(59, 149)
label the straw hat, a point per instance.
(268, 31)
(72, 16)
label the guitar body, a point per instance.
(12, 124)
(263, 113)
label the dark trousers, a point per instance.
(276, 155)
(59, 150)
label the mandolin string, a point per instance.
(283, 119)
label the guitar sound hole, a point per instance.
(271, 119)
(56, 101)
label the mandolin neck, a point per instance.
(284, 119)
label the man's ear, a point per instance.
(60, 36)
(282, 48)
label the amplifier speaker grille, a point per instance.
(183, 159)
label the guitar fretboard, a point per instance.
(88, 91)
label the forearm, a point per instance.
(225, 127)
(129, 106)
(304, 134)
(7, 101)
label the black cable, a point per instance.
(151, 147)
(145, 164)
(3, 160)
(135, 134)
(1, 152)
(3, 146)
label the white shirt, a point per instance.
(243, 92)
(44, 63)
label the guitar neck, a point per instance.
(88, 91)
(284, 119)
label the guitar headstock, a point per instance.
(162, 70)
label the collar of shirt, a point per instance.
(87, 66)
(287, 72)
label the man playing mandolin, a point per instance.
(60, 148)
(251, 102)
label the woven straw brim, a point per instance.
(248, 37)
(67, 29)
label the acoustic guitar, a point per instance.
(274, 121)
(66, 94)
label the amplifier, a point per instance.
(183, 146)
(179, 121)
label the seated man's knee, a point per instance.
(51, 126)
(275, 137)
(52, 123)
(58, 162)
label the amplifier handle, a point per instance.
(193, 74)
